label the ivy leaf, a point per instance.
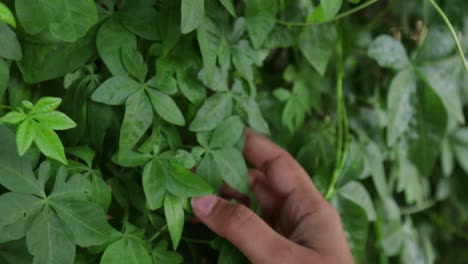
(111, 37)
(184, 183)
(174, 211)
(260, 16)
(138, 118)
(126, 251)
(154, 184)
(75, 19)
(317, 44)
(228, 133)
(165, 106)
(16, 173)
(115, 90)
(233, 168)
(50, 240)
(36, 15)
(11, 48)
(6, 15)
(331, 7)
(388, 52)
(86, 220)
(193, 14)
(212, 112)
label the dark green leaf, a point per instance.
(317, 44)
(233, 168)
(142, 24)
(389, 53)
(228, 133)
(165, 106)
(184, 183)
(154, 183)
(174, 211)
(36, 15)
(11, 48)
(260, 16)
(116, 90)
(193, 14)
(212, 113)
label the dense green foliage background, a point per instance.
(107, 106)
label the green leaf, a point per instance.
(11, 48)
(138, 118)
(101, 193)
(228, 133)
(142, 24)
(233, 168)
(46, 105)
(356, 192)
(331, 7)
(126, 251)
(76, 187)
(165, 106)
(75, 19)
(212, 113)
(86, 220)
(375, 161)
(55, 120)
(402, 88)
(36, 15)
(169, 24)
(4, 76)
(50, 240)
(229, 254)
(184, 183)
(209, 39)
(317, 44)
(6, 15)
(255, 117)
(16, 173)
(17, 211)
(193, 14)
(388, 52)
(210, 171)
(174, 211)
(116, 90)
(260, 17)
(13, 118)
(49, 143)
(134, 63)
(112, 36)
(161, 255)
(25, 135)
(191, 88)
(460, 147)
(154, 184)
(229, 5)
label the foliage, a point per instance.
(114, 113)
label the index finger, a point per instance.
(283, 174)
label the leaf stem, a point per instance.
(452, 31)
(342, 146)
(418, 208)
(197, 241)
(5, 107)
(157, 234)
(336, 18)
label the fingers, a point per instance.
(283, 174)
(244, 229)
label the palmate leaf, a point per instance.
(126, 251)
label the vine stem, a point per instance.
(342, 146)
(452, 31)
(157, 234)
(336, 18)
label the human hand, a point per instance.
(301, 226)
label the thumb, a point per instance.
(244, 229)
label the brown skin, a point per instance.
(301, 226)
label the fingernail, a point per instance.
(204, 204)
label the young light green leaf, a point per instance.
(260, 16)
(134, 63)
(388, 52)
(50, 240)
(11, 48)
(154, 184)
(116, 90)
(16, 173)
(317, 44)
(110, 38)
(228, 133)
(13, 118)
(174, 211)
(75, 19)
(6, 15)
(184, 183)
(193, 14)
(46, 105)
(138, 118)
(25, 135)
(165, 106)
(86, 220)
(36, 15)
(331, 7)
(233, 168)
(126, 251)
(55, 120)
(212, 113)
(49, 143)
